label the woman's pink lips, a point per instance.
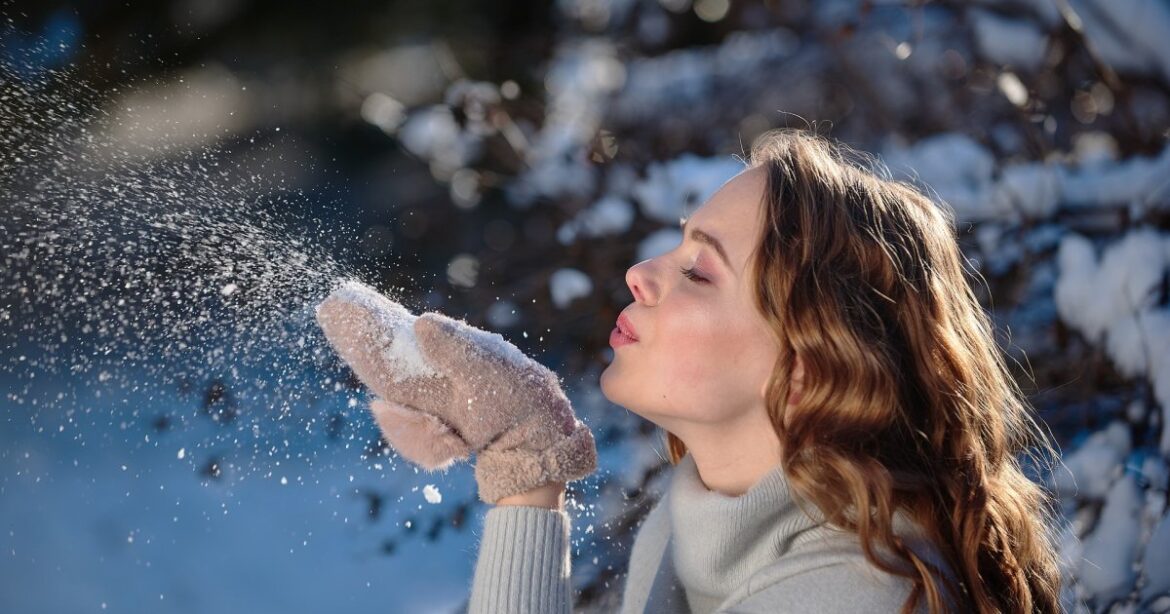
(617, 338)
(623, 333)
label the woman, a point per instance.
(812, 349)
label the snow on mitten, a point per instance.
(375, 337)
(448, 389)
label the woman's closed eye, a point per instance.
(691, 275)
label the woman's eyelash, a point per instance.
(690, 274)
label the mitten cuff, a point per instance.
(500, 473)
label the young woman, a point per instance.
(843, 429)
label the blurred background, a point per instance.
(182, 180)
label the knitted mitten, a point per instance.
(447, 390)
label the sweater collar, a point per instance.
(719, 541)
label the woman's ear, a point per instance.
(796, 386)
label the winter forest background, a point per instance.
(182, 180)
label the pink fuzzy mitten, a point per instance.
(448, 390)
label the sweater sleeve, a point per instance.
(523, 563)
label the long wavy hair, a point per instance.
(907, 403)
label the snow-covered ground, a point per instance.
(103, 511)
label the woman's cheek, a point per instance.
(693, 363)
(696, 349)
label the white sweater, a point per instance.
(697, 551)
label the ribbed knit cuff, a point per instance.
(523, 563)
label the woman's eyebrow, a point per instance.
(702, 237)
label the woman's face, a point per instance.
(703, 353)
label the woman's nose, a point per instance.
(642, 284)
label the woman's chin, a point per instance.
(606, 383)
(611, 386)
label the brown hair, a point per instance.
(907, 403)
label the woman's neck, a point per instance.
(733, 457)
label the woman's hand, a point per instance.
(550, 495)
(448, 390)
